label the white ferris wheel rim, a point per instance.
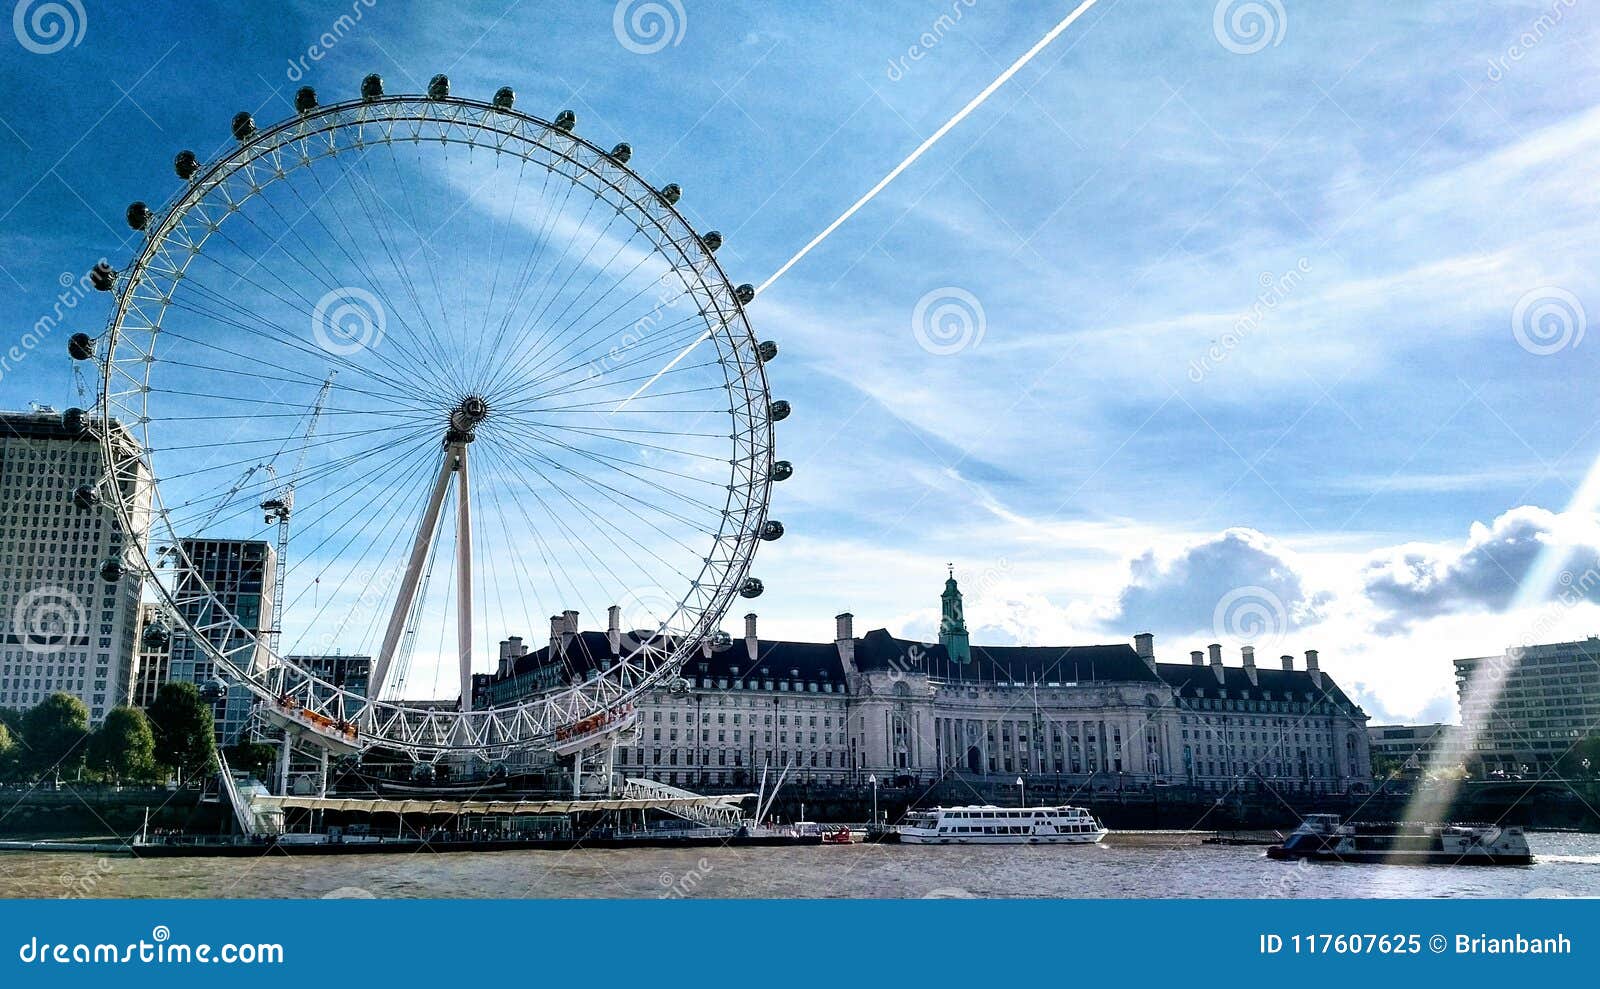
(264, 157)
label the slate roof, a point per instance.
(1191, 681)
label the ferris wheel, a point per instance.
(512, 381)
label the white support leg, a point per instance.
(413, 574)
(463, 577)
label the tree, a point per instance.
(57, 733)
(1571, 765)
(124, 748)
(183, 728)
(256, 758)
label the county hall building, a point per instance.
(879, 705)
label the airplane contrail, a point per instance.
(894, 173)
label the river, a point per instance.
(1126, 865)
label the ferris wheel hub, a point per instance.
(466, 416)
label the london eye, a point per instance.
(485, 370)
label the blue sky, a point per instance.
(1247, 316)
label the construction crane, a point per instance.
(280, 506)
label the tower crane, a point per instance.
(280, 506)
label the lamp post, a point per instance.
(873, 779)
(1023, 786)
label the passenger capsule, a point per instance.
(85, 496)
(622, 152)
(305, 99)
(244, 126)
(771, 531)
(566, 120)
(103, 277)
(745, 294)
(80, 346)
(372, 87)
(712, 239)
(185, 164)
(156, 637)
(671, 193)
(779, 410)
(213, 691)
(138, 216)
(439, 87)
(721, 640)
(74, 420)
(766, 350)
(504, 98)
(679, 687)
(782, 470)
(111, 571)
(751, 588)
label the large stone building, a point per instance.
(67, 627)
(879, 705)
(1523, 710)
(1411, 749)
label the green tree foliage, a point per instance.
(184, 729)
(256, 758)
(57, 736)
(124, 748)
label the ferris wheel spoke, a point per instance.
(632, 443)
(622, 499)
(582, 359)
(279, 335)
(365, 269)
(333, 285)
(528, 325)
(586, 555)
(308, 310)
(410, 474)
(251, 494)
(496, 250)
(559, 583)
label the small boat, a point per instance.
(1323, 838)
(839, 836)
(989, 825)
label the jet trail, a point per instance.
(883, 183)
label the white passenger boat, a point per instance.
(990, 825)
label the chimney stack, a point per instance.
(1197, 657)
(751, 642)
(1249, 653)
(844, 627)
(1312, 668)
(1288, 663)
(614, 628)
(1145, 645)
(557, 626)
(1215, 649)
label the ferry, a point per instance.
(1323, 838)
(989, 825)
